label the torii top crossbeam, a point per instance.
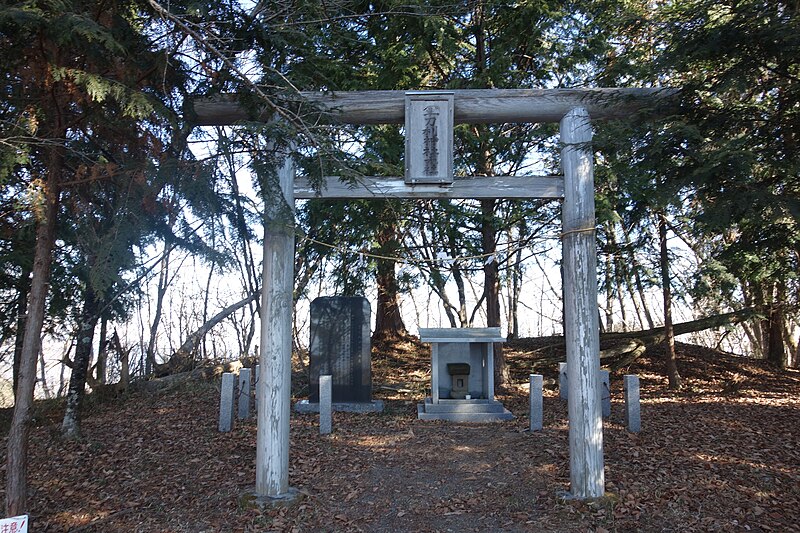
(472, 106)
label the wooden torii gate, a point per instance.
(574, 109)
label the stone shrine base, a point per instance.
(463, 410)
(375, 406)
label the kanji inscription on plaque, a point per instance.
(429, 137)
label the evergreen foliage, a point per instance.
(725, 166)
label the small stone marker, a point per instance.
(605, 392)
(325, 405)
(562, 381)
(632, 410)
(244, 393)
(226, 403)
(536, 401)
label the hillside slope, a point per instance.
(723, 455)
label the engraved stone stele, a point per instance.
(429, 137)
(340, 348)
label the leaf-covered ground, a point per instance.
(723, 455)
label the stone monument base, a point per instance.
(463, 411)
(375, 406)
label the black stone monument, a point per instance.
(340, 347)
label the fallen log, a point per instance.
(171, 381)
(635, 349)
(641, 340)
(621, 349)
(182, 359)
(715, 321)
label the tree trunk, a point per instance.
(43, 376)
(673, 375)
(632, 294)
(22, 312)
(17, 453)
(485, 167)
(436, 281)
(71, 426)
(791, 346)
(102, 352)
(762, 325)
(515, 289)
(458, 279)
(453, 236)
(491, 288)
(619, 275)
(776, 347)
(637, 278)
(206, 296)
(122, 353)
(161, 291)
(388, 320)
(609, 310)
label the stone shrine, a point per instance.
(462, 375)
(340, 348)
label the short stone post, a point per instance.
(563, 384)
(536, 402)
(255, 387)
(632, 409)
(244, 393)
(605, 392)
(325, 405)
(226, 403)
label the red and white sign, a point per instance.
(15, 524)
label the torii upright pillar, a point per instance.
(275, 354)
(581, 328)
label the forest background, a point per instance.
(131, 240)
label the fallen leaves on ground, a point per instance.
(722, 455)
